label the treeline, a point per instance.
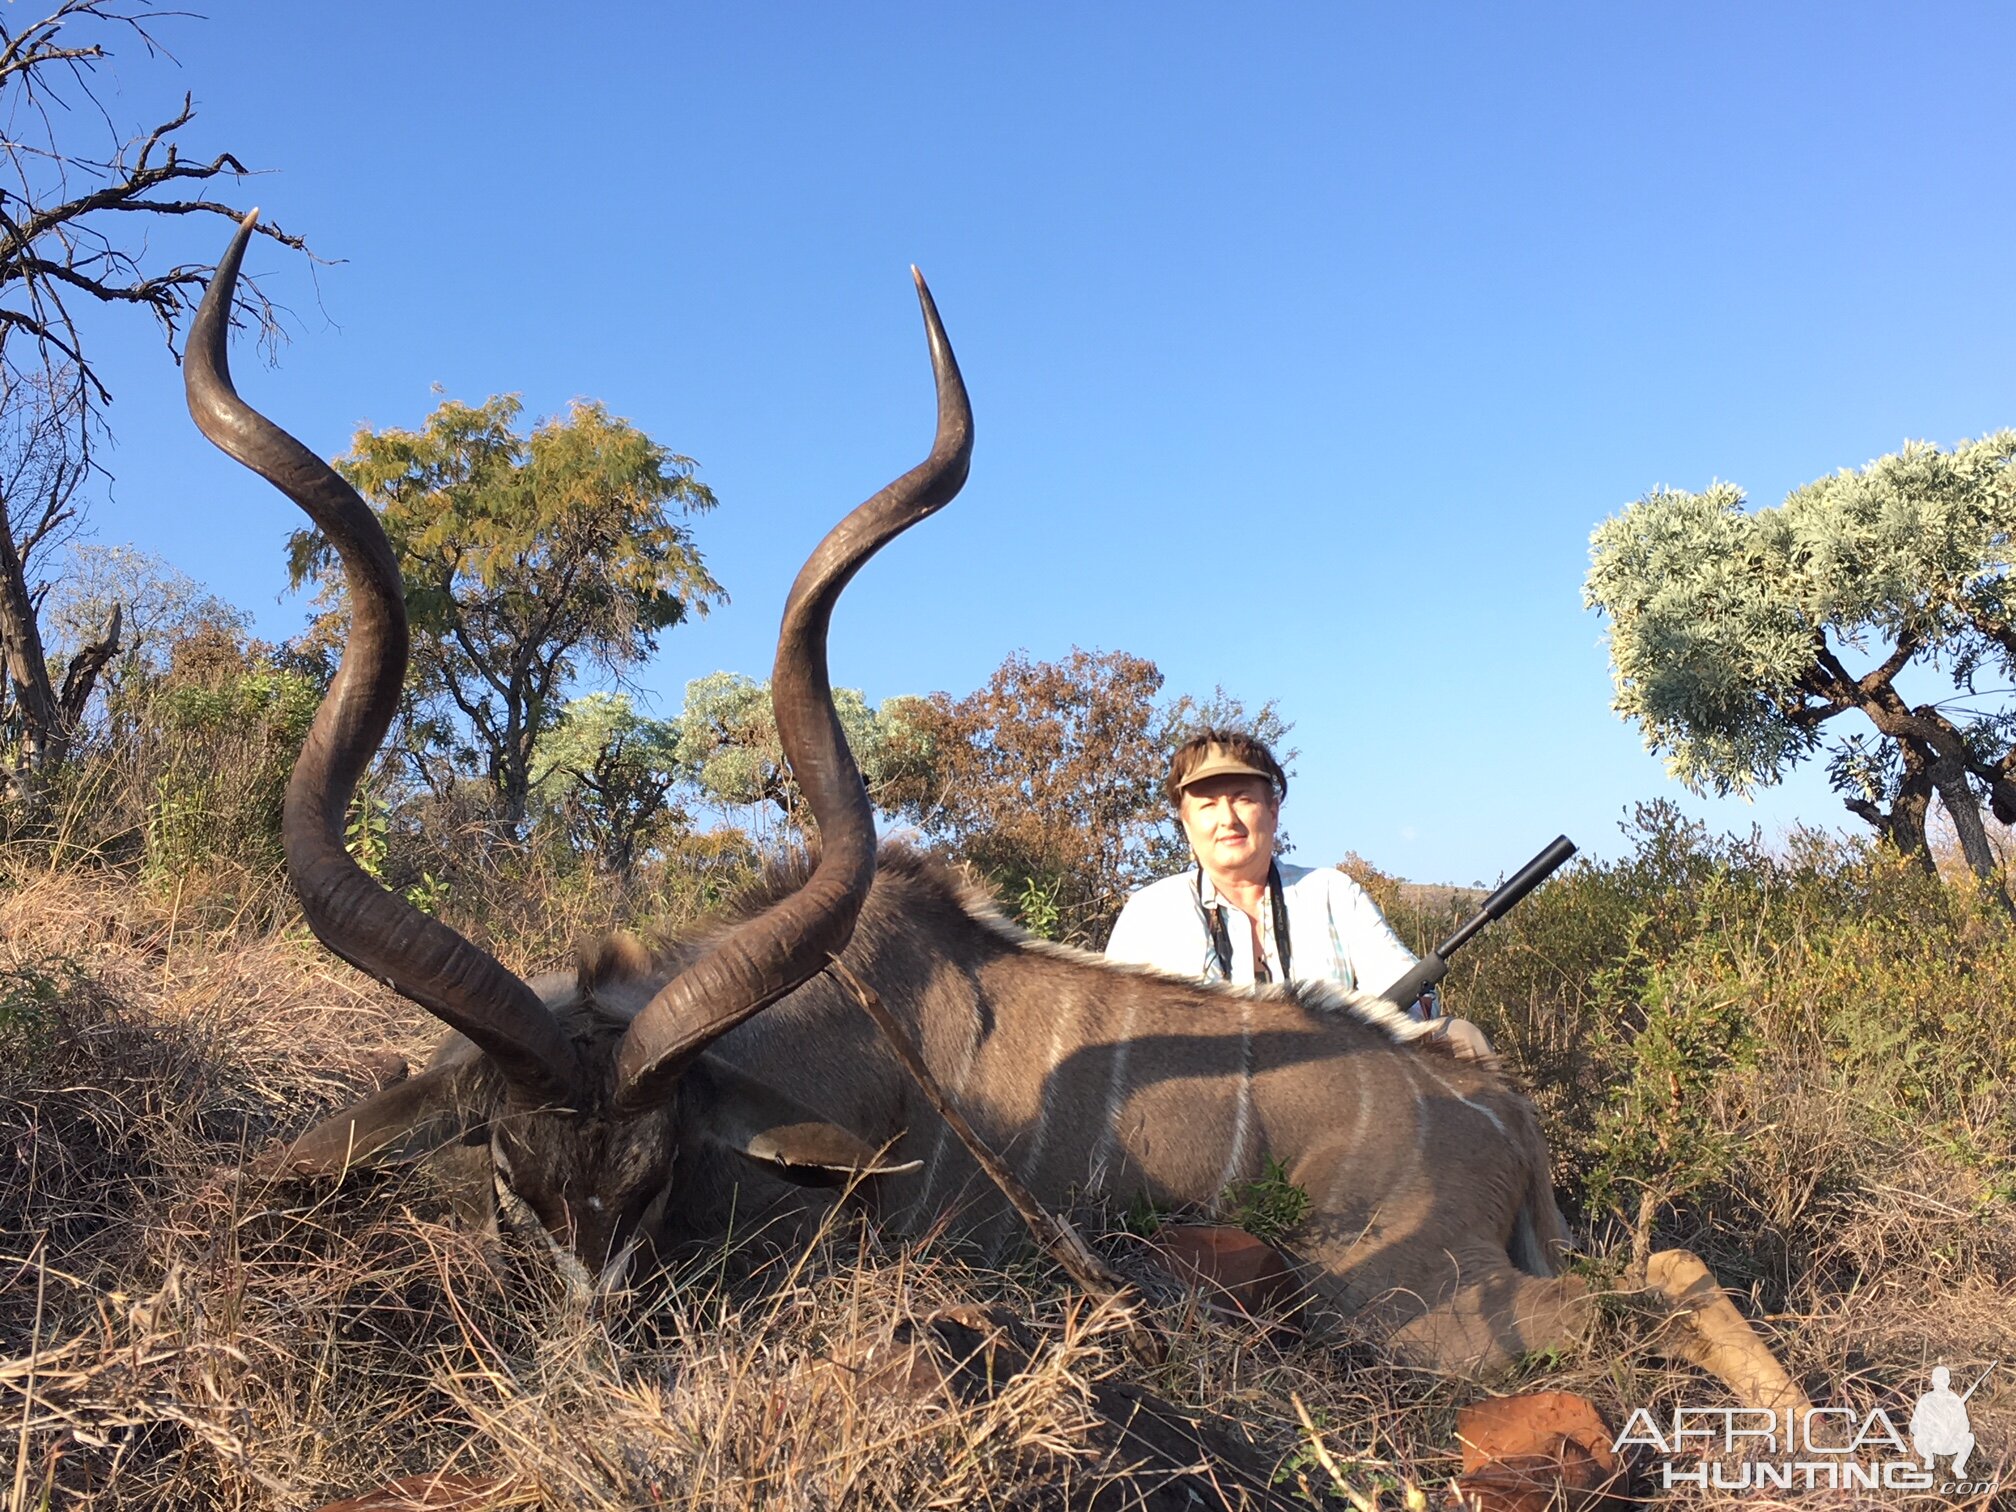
(542, 812)
(143, 727)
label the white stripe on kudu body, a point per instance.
(1046, 1106)
(1361, 1118)
(1476, 1107)
(1236, 1158)
(1118, 1090)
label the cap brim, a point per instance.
(1222, 767)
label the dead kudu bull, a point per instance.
(630, 1098)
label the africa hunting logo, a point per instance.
(1828, 1448)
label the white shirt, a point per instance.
(1335, 931)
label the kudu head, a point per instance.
(578, 1085)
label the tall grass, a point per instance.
(1738, 1028)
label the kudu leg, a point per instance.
(1466, 1312)
(1490, 1314)
(1703, 1328)
(1484, 1326)
(1488, 1326)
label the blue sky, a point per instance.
(1307, 343)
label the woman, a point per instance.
(1242, 916)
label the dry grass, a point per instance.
(174, 1338)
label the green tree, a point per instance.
(725, 742)
(1736, 636)
(604, 773)
(159, 608)
(225, 721)
(525, 556)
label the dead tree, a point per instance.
(75, 213)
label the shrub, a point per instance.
(226, 747)
(1753, 1034)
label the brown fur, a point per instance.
(1087, 1076)
(616, 957)
(1434, 1216)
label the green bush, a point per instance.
(1270, 1207)
(1753, 1034)
(31, 993)
(226, 749)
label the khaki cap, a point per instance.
(1219, 762)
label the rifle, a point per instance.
(1434, 966)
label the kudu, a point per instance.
(609, 1095)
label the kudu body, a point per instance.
(632, 1100)
(1427, 1174)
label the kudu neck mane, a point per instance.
(913, 890)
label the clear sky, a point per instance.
(1307, 342)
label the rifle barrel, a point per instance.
(1977, 1383)
(1434, 966)
(1501, 902)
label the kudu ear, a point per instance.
(404, 1122)
(739, 1113)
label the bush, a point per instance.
(1754, 1035)
(1803, 1052)
(226, 748)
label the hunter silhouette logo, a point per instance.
(1939, 1424)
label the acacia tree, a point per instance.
(74, 231)
(524, 556)
(1737, 636)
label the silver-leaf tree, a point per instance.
(1738, 637)
(725, 743)
(605, 774)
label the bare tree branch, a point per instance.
(59, 203)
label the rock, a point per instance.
(1545, 1452)
(1231, 1270)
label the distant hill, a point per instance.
(1439, 897)
(1426, 901)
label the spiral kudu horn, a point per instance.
(788, 944)
(373, 929)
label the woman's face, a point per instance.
(1230, 823)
